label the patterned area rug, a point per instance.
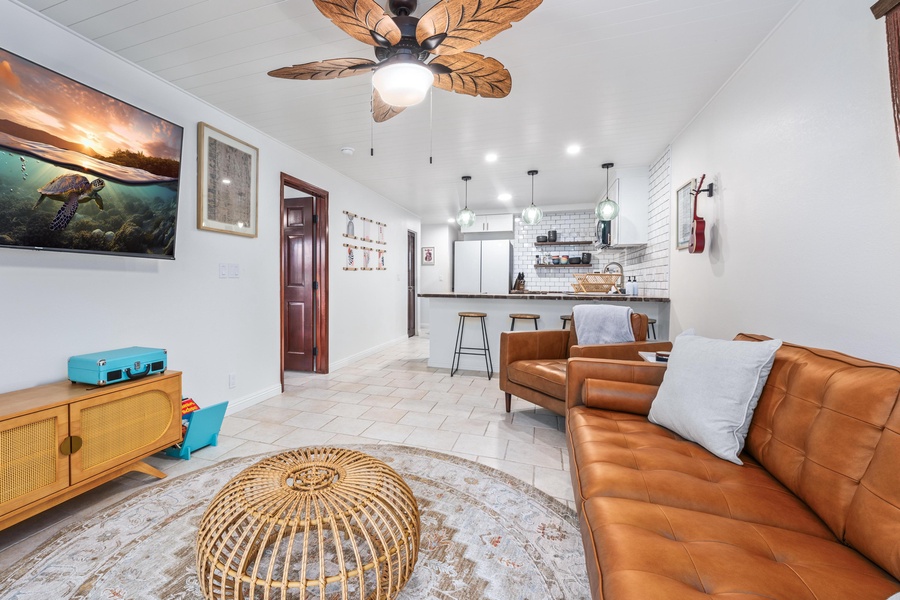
(485, 535)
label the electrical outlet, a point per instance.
(232, 380)
(234, 271)
(223, 270)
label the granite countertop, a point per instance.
(583, 297)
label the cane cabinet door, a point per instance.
(124, 424)
(32, 463)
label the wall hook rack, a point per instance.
(708, 190)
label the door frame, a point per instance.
(320, 270)
(412, 272)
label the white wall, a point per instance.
(804, 242)
(438, 278)
(53, 305)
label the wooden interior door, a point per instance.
(298, 260)
(411, 283)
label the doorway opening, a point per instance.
(410, 283)
(304, 277)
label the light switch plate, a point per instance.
(223, 270)
(234, 270)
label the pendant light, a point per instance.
(532, 215)
(466, 217)
(607, 210)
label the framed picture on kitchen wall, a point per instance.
(428, 255)
(684, 214)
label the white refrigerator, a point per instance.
(482, 267)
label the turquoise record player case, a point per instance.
(113, 366)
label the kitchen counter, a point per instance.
(579, 297)
(443, 318)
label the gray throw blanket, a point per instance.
(602, 324)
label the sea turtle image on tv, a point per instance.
(81, 170)
(71, 190)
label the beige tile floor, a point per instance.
(391, 397)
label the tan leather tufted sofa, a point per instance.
(533, 363)
(813, 514)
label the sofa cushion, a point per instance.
(544, 375)
(710, 390)
(652, 551)
(817, 426)
(633, 458)
(873, 521)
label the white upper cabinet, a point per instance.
(631, 190)
(490, 223)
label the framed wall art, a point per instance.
(684, 213)
(227, 194)
(428, 255)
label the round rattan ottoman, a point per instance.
(322, 523)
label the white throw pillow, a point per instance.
(710, 390)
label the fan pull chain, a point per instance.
(431, 126)
(372, 121)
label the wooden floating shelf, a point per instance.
(575, 243)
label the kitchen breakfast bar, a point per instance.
(444, 312)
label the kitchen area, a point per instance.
(487, 260)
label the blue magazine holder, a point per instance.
(202, 430)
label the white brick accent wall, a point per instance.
(649, 263)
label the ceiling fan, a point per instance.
(404, 43)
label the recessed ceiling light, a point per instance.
(348, 150)
(573, 149)
(451, 220)
(491, 157)
(504, 197)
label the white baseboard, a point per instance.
(369, 352)
(248, 401)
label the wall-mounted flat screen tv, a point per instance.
(81, 171)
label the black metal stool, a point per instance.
(458, 349)
(523, 316)
(565, 320)
(651, 323)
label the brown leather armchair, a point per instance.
(533, 363)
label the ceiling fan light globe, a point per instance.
(606, 210)
(532, 215)
(465, 217)
(403, 84)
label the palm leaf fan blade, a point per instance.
(335, 68)
(474, 75)
(381, 110)
(359, 18)
(467, 23)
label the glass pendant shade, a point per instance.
(532, 215)
(607, 210)
(465, 217)
(403, 84)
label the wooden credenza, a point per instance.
(61, 439)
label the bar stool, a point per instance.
(523, 316)
(565, 320)
(651, 323)
(483, 351)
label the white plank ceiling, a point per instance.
(619, 77)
